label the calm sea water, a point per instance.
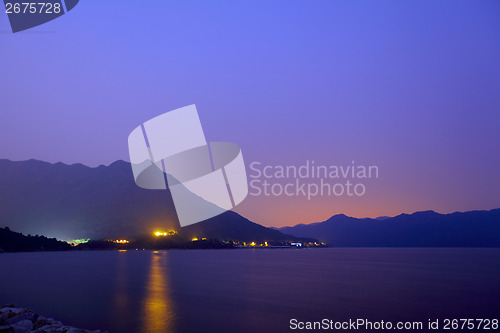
(250, 290)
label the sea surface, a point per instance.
(244, 290)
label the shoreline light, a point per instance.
(165, 233)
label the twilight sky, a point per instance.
(410, 86)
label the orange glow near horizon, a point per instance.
(285, 211)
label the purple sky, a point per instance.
(410, 86)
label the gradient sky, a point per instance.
(410, 86)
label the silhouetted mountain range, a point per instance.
(420, 229)
(76, 201)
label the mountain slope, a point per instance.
(233, 226)
(420, 229)
(76, 201)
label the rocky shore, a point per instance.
(19, 320)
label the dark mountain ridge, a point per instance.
(420, 229)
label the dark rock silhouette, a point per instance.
(11, 241)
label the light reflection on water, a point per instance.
(157, 315)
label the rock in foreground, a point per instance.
(19, 320)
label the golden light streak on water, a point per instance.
(157, 309)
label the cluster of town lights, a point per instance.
(238, 244)
(165, 233)
(255, 244)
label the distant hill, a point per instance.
(11, 241)
(420, 229)
(76, 201)
(233, 226)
